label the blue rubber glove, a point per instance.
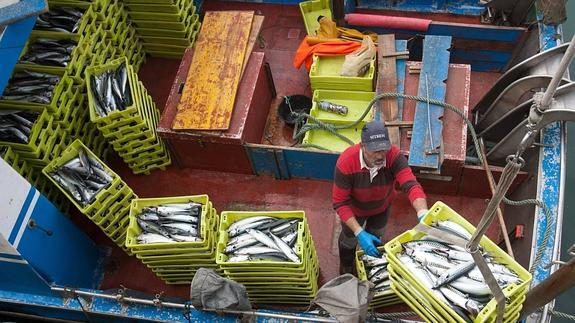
(367, 242)
(421, 214)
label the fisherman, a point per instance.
(364, 188)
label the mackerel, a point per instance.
(246, 226)
(374, 261)
(460, 300)
(145, 238)
(245, 221)
(253, 250)
(379, 277)
(285, 248)
(454, 273)
(470, 286)
(263, 238)
(375, 270)
(422, 275)
(454, 228)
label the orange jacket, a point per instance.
(306, 51)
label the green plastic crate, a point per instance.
(134, 229)
(153, 32)
(88, 22)
(155, 7)
(70, 153)
(440, 211)
(329, 141)
(229, 217)
(164, 17)
(174, 25)
(185, 40)
(78, 54)
(38, 132)
(311, 10)
(137, 100)
(325, 70)
(355, 101)
(60, 89)
(380, 299)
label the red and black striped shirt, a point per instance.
(355, 195)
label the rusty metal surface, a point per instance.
(244, 106)
(214, 75)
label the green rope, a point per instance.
(562, 315)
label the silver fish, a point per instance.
(460, 300)
(245, 221)
(454, 228)
(263, 238)
(370, 261)
(285, 248)
(146, 238)
(454, 273)
(243, 228)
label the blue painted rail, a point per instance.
(426, 138)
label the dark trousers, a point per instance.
(374, 224)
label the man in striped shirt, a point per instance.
(364, 188)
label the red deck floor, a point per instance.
(245, 192)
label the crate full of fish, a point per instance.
(374, 269)
(73, 18)
(440, 280)
(30, 87)
(113, 92)
(162, 225)
(168, 251)
(272, 231)
(81, 176)
(24, 129)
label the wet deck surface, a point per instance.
(246, 192)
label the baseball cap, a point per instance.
(375, 136)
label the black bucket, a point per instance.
(298, 103)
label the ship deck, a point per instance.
(282, 32)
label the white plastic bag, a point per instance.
(357, 63)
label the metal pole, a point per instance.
(158, 303)
(492, 188)
(565, 62)
(560, 281)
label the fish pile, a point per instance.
(31, 86)
(62, 19)
(170, 223)
(376, 270)
(111, 91)
(51, 52)
(15, 126)
(450, 272)
(262, 238)
(83, 177)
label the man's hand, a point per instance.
(367, 242)
(421, 214)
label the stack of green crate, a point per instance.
(120, 32)
(177, 262)
(382, 298)
(325, 74)
(267, 281)
(166, 27)
(356, 103)
(110, 207)
(422, 300)
(132, 132)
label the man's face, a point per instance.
(374, 158)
